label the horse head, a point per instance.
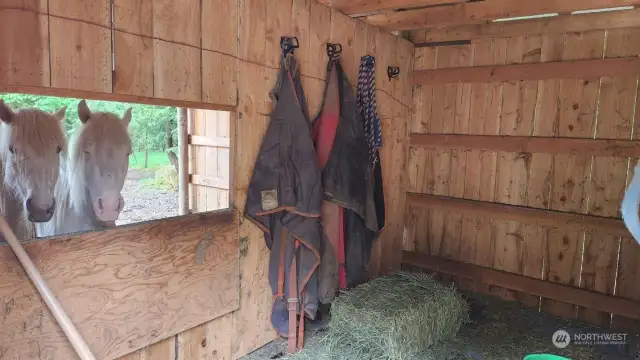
(31, 143)
(99, 162)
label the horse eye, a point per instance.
(87, 153)
(59, 149)
(13, 151)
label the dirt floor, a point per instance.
(143, 202)
(496, 325)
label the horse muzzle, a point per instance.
(39, 214)
(108, 207)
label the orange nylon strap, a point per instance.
(301, 326)
(292, 302)
(283, 247)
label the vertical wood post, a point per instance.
(183, 157)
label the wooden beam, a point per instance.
(530, 144)
(547, 26)
(209, 181)
(481, 11)
(183, 162)
(95, 95)
(124, 288)
(540, 217)
(577, 69)
(351, 7)
(589, 299)
(209, 141)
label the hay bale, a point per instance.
(167, 178)
(391, 318)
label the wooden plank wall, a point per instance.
(219, 55)
(590, 107)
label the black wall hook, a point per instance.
(393, 72)
(288, 44)
(334, 50)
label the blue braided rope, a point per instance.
(367, 106)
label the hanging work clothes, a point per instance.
(347, 179)
(284, 199)
(360, 239)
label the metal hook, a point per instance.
(334, 50)
(288, 45)
(368, 60)
(393, 72)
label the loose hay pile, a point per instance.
(390, 318)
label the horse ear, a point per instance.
(126, 117)
(83, 111)
(60, 113)
(6, 114)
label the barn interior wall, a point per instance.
(572, 182)
(223, 55)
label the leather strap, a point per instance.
(283, 247)
(292, 301)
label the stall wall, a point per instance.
(219, 55)
(587, 180)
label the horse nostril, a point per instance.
(29, 203)
(100, 204)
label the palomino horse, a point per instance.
(32, 142)
(93, 175)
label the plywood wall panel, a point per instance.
(301, 27)
(177, 21)
(278, 23)
(220, 26)
(252, 30)
(343, 31)
(319, 36)
(92, 11)
(26, 60)
(32, 5)
(190, 273)
(134, 64)
(176, 71)
(135, 17)
(219, 78)
(80, 56)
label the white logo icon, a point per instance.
(561, 339)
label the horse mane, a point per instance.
(72, 189)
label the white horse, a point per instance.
(93, 175)
(32, 143)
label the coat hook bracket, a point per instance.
(334, 50)
(288, 44)
(393, 72)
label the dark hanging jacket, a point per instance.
(350, 217)
(284, 198)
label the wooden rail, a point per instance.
(209, 181)
(548, 145)
(546, 289)
(478, 12)
(351, 7)
(540, 217)
(577, 69)
(546, 26)
(208, 141)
